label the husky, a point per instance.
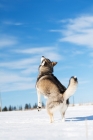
(57, 94)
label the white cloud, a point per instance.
(6, 41)
(49, 52)
(31, 63)
(7, 77)
(13, 81)
(19, 64)
(18, 86)
(28, 64)
(31, 69)
(79, 39)
(77, 52)
(78, 31)
(82, 81)
(54, 56)
(38, 50)
(91, 54)
(56, 31)
(12, 23)
(18, 74)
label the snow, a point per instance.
(33, 125)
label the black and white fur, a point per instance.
(48, 85)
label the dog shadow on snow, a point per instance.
(80, 118)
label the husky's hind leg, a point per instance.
(50, 115)
(63, 116)
(62, 111)
(39, 101)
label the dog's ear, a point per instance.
(54, 63)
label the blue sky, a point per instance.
(61, 30)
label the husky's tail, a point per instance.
(73, 82)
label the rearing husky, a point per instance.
(48, 85)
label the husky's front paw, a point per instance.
(39, 108)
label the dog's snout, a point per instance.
(42, 58)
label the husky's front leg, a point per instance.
(39, 100)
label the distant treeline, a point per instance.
(27, 107)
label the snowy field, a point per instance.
(34, 125)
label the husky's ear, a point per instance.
(54, 63)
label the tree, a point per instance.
(26, 106)
(35, 105)
(14, 108)
(29, 106)
(10, 108)
(20, 107)
(5, 109)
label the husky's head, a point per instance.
(46, 66)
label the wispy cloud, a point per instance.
(18, 74)
(7, 41)
(8, 77)
(29, 61)
(77, 52)
(10, 81)
(30, 70)
(78, 31)
(82, 81)
(91, 54)
(56, 31)
(35, 50)
(50, 52)
(12, 23)
(19, 64)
